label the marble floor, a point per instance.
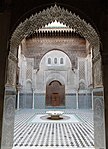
(33, 130)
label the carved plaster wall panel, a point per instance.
(37, 47)
(97, 73)
(82, 69)
(9, 109)
(11, 73)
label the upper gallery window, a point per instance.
(55, 60)
(61, 61)
(49, 60)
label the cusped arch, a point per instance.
(82, 84)
(28, 83)
(53, 13)
(55, 76)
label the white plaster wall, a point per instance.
(22, 74)
(61, 72)
(49, 72)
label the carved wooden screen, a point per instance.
(55, 94)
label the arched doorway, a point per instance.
(71, 20)
(55, 94)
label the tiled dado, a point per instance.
(99, 124)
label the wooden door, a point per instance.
(55, 99)
(55, 94)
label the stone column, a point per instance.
(8, 118)
(99, 123)
(6, 102)
(9, 103)
(105, 82)
(77, 106)
(98, 102)
(92, 100)
(18, 100)
(33, 99)
(104, 52)
(105, 75)
(18, 93)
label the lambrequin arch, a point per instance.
(38, 20)
(49, 15)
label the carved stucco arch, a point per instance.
(53, 13)
(44, 17)
(37, 21)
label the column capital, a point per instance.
(18, 87)
(33, 89)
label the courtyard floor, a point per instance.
(33, 130)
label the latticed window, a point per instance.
(61, 61)
(49, 60)
(55, 60)
(82, 70)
